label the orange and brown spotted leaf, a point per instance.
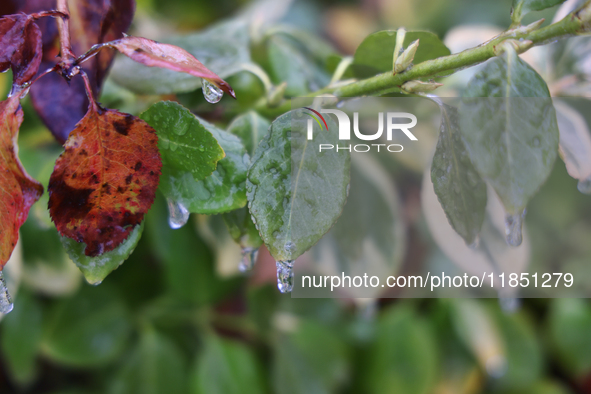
(20, 47)
(18, 191)
(155, 54)
(106, 179)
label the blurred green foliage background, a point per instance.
(175, 319)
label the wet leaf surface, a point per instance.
(106, 179)
(510, 129)
(154, 54)
(459, 188)
(223, 48)
(294, 192)
(196, 174)
(96, 269)
(18, 191)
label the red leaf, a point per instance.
(155, 54)
(20, 47)
(91, 22)
(106, 179)
(18, 191)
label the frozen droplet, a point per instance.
(285, 276)
(584, 186)
(475, 244)
(178, 214)
(23, 90)
(249, 257)
(6, 304)
(513, 224)
(212, 93)
(340, 104)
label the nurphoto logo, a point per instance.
(396, 122)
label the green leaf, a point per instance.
(189, 156)
(459, 188)
(289, 63)
(402, 358)
(569, 324)
(89, 329)
(225, 189)
(242, 228)
(522, 7)
(184, 143)
(510, 129)
(374, 55)
(312, 359)
(21, 338)
(294, 209)
(155, 366)
(96, 269)
(524, 355)
(227, 367)
(251, 128)
(223, 48)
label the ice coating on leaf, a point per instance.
(293, 202)
(195, 172)
(459, 188)
(96, 269)
(6, 304)
(212, 93)
(178, 214)
(285, 276)
(509, 128)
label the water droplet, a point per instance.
(513, 224)
(536, 142)
(178, 214)
(285, 276)
(6, 304)
(212, 93)
(584, 186)
(249, 257)
(340, 104)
